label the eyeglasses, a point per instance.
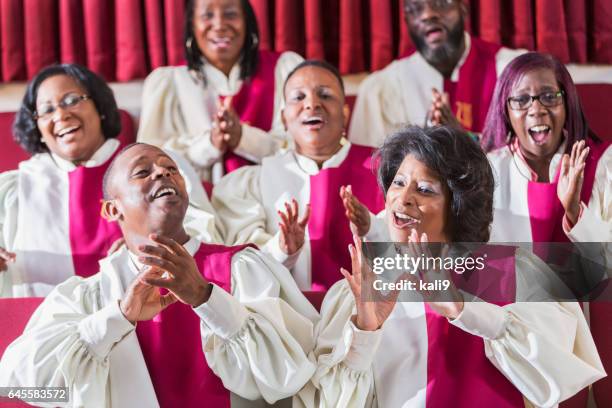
(415, 8)
(69, 102)
(547, 99)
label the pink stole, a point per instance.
(459, 374)
(90, 235)
(254, 103)
(328, 226)
(545, 210)
(470, 97)
(172, 345)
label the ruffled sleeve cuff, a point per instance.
(101, 330)
(482, 319)
(222, 313)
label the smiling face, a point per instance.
(148, 192)
(539, 129)
(315, 114)
(417, 199)
(73, 133)
(219, 28)
(437, 33)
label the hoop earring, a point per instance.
(255, 40)
(189, 42)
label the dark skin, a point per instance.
(147, 197)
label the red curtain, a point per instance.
(126, 39)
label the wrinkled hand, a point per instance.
(5, 258)
(371, 314)
(440, 112)
(357, 213)
(571, 177)
(292, 230)
(227, 129)
(142, 301)
(417, 246)
(183, 278)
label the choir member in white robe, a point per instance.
(453, 353)
(222, 110)
(261, 204)
(448, 79)
(228, 319)
(50, 224)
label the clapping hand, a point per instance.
(181, 274)
(440, 112)
(357, 213)
(227, 129)
(143, 301)
(370, 314)
(571, 177)
(292, 230)
(5, 258)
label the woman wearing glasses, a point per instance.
(553, 172)
(50, 227)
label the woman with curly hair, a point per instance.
(444, 351)
(222, 110)
(50, 227)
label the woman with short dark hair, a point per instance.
(50, 224)
(373, 351)
(222, 110)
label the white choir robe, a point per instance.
(544, 349)
(178, 113)
(246, 202)
(35, 219)
(511, 221)
(400, 94)
(256, 339)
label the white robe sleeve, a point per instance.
(344, 354)
(256, 143)
(9, 209)
(379, 109)
(67, 343)
(258, 339)
(163, 122)
(544, 348)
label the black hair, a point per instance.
(249, 57)
(25, 127)
(316, 63)
(460, 164)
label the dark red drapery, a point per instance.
(125, 39)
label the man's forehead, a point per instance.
(140, 152)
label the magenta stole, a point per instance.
(328, 227)
(470, 97)
(172, 347)
(458, 372)
(90, 235)
(254, 103)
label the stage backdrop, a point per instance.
(126, 39)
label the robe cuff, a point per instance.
(272, 248)
(203, 153)
(482, 319)
(222, 313)
(363, 347)
(102, 329)
(567, 224)
(588, 228)
(378, 228)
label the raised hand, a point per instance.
(292, 230)
(229, 124)
(181, 274)
(440, 112)
(143, 301)
(357, 213)
(370, 314)
(571, 177)
(5, 258)
(417, 246)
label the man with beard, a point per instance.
(168, 321)
(448, 80)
